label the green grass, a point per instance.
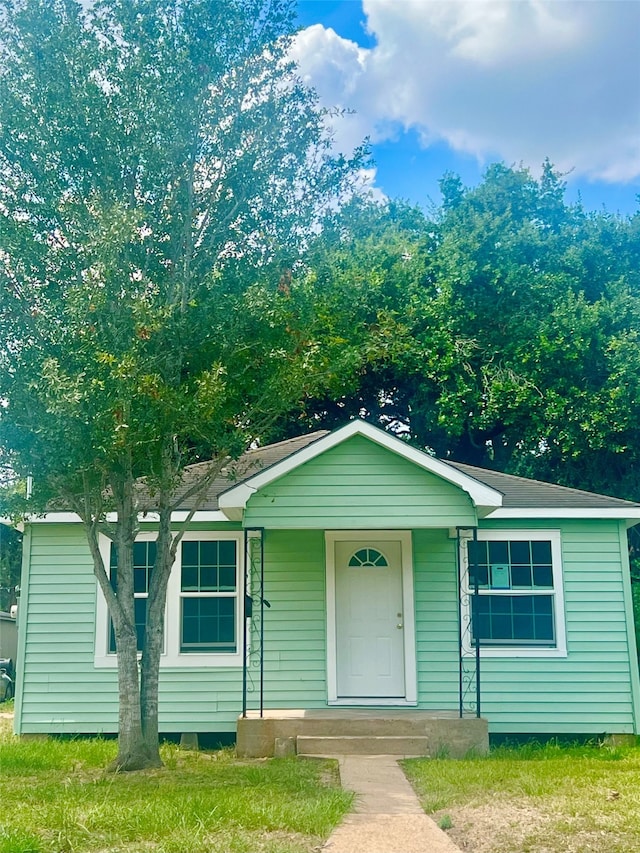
(581, 799)
(57, 798)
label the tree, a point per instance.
(501, 330)
(160, 168)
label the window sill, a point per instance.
(516, 652)
(181, 661)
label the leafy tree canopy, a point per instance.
(502, 329)
(161, 167)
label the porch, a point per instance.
(341, 731)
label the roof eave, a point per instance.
(234, 500)
(629, 514)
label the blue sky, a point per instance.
(454, 85)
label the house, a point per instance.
(336, 579)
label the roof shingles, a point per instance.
(518, 492)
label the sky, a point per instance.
(455, 85)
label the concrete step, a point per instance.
(444, 731)
(404, 745)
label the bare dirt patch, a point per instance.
(519, 827)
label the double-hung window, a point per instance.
(144, 556)
(203, 616)
(209, 596)
(519, 604)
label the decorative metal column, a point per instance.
(469, 640)
(253, 622)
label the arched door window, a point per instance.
(368, 557)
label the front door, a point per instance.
(370, 649)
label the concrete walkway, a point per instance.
(387, 817)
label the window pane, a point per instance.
(227, 579)
(544, 628)
(189, 578)
(477, 553)
(541, 552)
(501, 627)
(189, 553)
(227, 552)
(521, 576)
(208, 553)
(520, 552)
(140, 579)
(500, 603)
(140, 606)
(498, 552)
(523, 627)
(483, 575)
(208, 579)
(522, 605)
(190, 608)
(543, 576)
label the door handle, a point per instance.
(399, 625)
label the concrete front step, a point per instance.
(444, 732)
(363, 745)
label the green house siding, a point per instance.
(62, 690)
(359, 484)
(295, 623)
(436, 609)
(591, 689)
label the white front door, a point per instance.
(370, 647)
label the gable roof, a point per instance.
(495, 495)
(484, 497)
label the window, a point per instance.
(203, 617)
(519, 579)
(208, 593)
(144, 556)
(368, 557)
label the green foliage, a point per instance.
(500, 330)
(163, 168)
(10, 565)
(157, 188)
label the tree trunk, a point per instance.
(133, 750)
(154, 634)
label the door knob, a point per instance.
(399, 625)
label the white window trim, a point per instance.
(524, 651)
(172, 657)
(411, 678)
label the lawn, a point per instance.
(56, 798)
(536, 799)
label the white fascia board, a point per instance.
(631, 515)
(233, 501)
(236, 498)
(54, 518)
(179, 516)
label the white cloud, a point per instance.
(517, 79)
